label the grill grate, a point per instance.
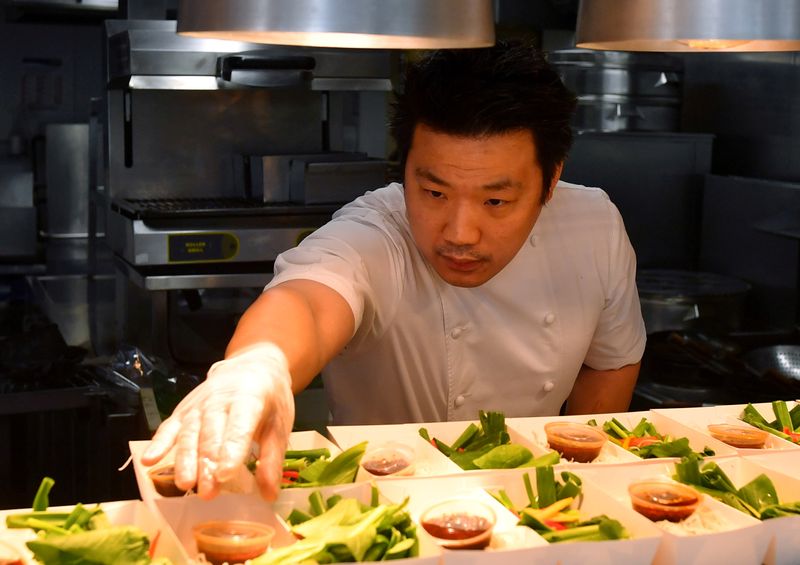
(150, 208)
(184, 204)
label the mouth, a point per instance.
(462, 264)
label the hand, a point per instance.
(245, 398)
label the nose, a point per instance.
(462, 226)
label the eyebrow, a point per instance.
(497, 185)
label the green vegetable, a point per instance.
(545, 486)
(552, 502)
(571, 486)
(348, 531)
(486, 445)
(308, 453)
(782, 415)
(509, 456)
(81, 536)
(598, 528)
(662, 446)
(784, 420)
(757, 498)
(42, 501)
(322, 471)
(343, 467)
(465, 436)
(118, 545)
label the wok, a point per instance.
(781, 362)
(775, 364)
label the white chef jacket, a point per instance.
(424, 350)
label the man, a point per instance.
(481, 283)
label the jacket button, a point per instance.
(459, 402)
(455, 333)
(533, 241)
(548, 386)
(549, 318)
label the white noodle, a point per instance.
(704, 520)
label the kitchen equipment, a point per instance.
(17, 211)
(387, 24)
(676, 299)
(222, 155)
(689, 25)
(619, 91)
(781, 362)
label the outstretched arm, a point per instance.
(308, 321)
(281, 342)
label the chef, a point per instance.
(482, 282)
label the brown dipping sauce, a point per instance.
(164, 481)
(575, 442)
(232, 541)
(659, 502)
(459, 526)
(386, 465)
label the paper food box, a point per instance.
(786, 461)
(126, 512)
(611, 453)
(785, 541)
(185, 513)
(424, 461)
(701, 418)
(715, 533)
(429, 552)
(449, 433)
(509, 543)
(639, 548)
(244, 481)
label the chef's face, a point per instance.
(472, 202)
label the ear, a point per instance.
(554, 180)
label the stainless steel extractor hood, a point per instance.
(149, 54)
(689, 25)
(370, 24)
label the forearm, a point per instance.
(598, 392)
(309, 323)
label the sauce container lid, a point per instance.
(662, 499)
(738, 435)
(234, 541)
(459, 523)
(577, 435)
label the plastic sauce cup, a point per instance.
(743, 437)
(232, 541)
(459, 523)
(575, 442)
(164, 481)
(389, 459)
(664, 500)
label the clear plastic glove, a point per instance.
(245, 398)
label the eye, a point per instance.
(435, 194)
(496, 202)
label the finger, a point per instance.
(186, 451)
(243, 419)
(163, 441)
(169, 429)
(272, 447)
(212, 430)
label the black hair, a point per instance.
(479, 92)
